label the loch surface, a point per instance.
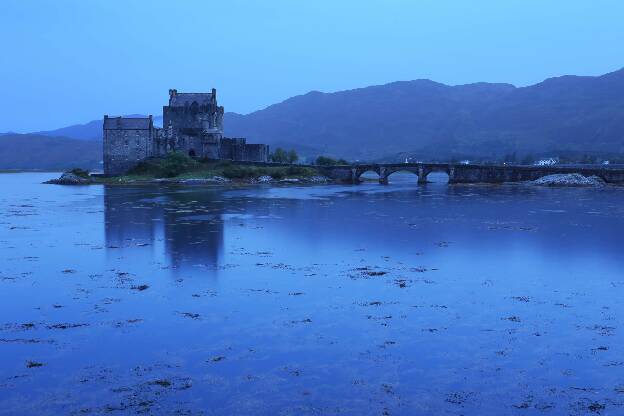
(403, 299)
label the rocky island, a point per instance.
(571, 179)
(178, 168)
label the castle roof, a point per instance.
(180, 99)
(127, 123)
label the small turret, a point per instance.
(172, 94)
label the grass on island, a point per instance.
(81, 173)
(180, 166)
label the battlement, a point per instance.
(128, 123)
(184, 99)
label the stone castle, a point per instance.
(192, 124)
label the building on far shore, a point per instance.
(192, 124)
(551, 161)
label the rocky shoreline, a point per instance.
(70, 178)
(73, 178)
(220, 180)
(569, 180)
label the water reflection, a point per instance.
(183, 229)
(326, 300)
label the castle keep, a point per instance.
(192, 124)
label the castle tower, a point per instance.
(127, 141)
(196, 123)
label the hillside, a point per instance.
(31, 151)
(91, 130)
(428, 119)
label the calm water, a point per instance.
(369, 299)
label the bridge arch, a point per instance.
(358, 171)
(440, 174)
(437, 176)
(369, 174)
(397, 172)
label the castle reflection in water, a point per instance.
(172, 227)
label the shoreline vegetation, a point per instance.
(179, 168)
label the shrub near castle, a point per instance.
(180, 166)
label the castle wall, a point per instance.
(203, 146)
(160, 146)
(231, 149)
(195, 129)
(238, 150)
(126, 141)
(255, 153)
(189, 117)
(124, 148)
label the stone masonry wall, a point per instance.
(231, 148)
(202, 146)
(189, 124)
(255, 153)
(238, 150)
(123, 149)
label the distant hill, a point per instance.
(431, 120)
(88, 131)
(428, 120)
(32, 151)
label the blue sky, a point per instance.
(70, 61)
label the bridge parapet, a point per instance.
(471, 173)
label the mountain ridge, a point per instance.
(430, 120)
(461, 119)
(32, 151)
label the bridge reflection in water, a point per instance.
(469, 173)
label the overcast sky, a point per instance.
(71, 61)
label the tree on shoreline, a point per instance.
(328, 161)
(282, 156)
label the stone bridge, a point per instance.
(469, 173)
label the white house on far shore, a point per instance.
(546, 162)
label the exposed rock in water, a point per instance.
(80, 177)
(70, 178)
(570, 179)
(200, 181)
(319, 179)
(220, 179)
